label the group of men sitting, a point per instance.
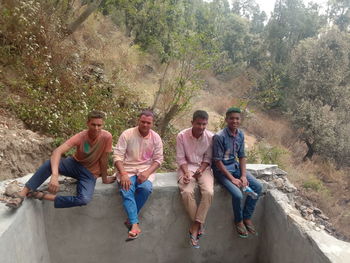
(200, 155)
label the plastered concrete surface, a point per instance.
(37, 232)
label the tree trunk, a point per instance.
(310, 151)
(88, 11)
(167, 118)
(160, 90)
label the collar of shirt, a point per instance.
(229, 133)
(143, 137)
(199, 138)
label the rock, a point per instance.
(279, 183)
(317, 211)
(323, 216)
(288, 187)
(12, 188)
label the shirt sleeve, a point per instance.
(120, 149)
(209, 152)
(218, 148)
(74, 140)
(241, 150)
(158, 150)
(180, 151)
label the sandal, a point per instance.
(201, 231)
(127, 224)
(194, 241)
(251, 229)
(16, 201)
(241, 230)
(37, 195)
(133, 234)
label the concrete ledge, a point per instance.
(37, 232)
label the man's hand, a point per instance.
(141, 177)
(197, 173)
(244, 181)
(109, 180)
(54, 185)
(125, 182)
(237, 182)
(186, 178)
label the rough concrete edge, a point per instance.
(335, 250)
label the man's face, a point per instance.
(198, 126)
(95, 126)
(233, 120)
(145, 124)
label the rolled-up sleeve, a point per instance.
(180, 151)
(120, 149)
(158, 151)
(218, 148)
(241, 150)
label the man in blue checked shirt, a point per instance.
(229, 167)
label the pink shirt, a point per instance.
(88, 152)
(193, 151)
(138, 152)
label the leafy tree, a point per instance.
(319, 100)
(339, 13)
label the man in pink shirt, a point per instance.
(137, 155)
(89, 162)
(193, 156)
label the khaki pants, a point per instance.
(206, 186)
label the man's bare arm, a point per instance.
(143, 176)
(55, 161)
(103, 169)
(124, 177)
(242, 166)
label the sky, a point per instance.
(267, 5)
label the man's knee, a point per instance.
(207, 193)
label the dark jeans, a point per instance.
(67, 167)
(237, 196)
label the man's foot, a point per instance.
(127, 224)
(37, 195)
(194, 241)
(16, 201)
(200, 231)
(134, 232)
(241, 230)
(250, 227)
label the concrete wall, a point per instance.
(22, 235)
(37, 232)
(96, 233)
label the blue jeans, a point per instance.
(67, 167)
(237, 196)
(135, 198)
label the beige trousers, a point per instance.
(206, 186)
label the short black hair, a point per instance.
(96, 114)
(147, 113)
(200, 114)
(232, 110)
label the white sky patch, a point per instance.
(268, 5)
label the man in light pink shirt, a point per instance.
(137, 155)
(193, 156)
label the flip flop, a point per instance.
(251, 229)
(127, 224)
(200, 232)
(16, 201)
(133, 234)
(194, 241)
(242, 231)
